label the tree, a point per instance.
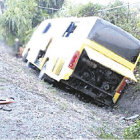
(117, 13)
(89, 9)
(22, 16)
(123, 17)
(70, 9)
(17, 18)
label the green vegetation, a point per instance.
(133, 132)
(125, 17)
(17, 19)
(106, 135)
(69, 9)
(21, 17)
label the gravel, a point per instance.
(43, 111)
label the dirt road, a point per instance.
(43, 111)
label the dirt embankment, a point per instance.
(43, 111)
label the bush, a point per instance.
(70, 9)
(89, 9)
(133, 132)
(17, 18)
(124, 17)
(22, 16)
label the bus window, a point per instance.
(70, 30)
(47, 28)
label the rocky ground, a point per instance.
(43, 111)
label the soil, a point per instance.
(41, 110)
(130, 101)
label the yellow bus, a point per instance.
(94, 57)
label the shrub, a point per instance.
(133, 132)
(17, 18)
(80, 10)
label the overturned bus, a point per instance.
(95, 57)
(42, 38)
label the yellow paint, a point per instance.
(66, 77)
(137, 61)
(109, 54)
(54, 62)
(116, 96)
(42, 62)
(58, 67)
(44, 59)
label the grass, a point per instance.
(106, 135)
(132, 132)
(63, 106)
(137, 86)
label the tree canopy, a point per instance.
(21, 17)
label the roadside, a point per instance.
(43, 111)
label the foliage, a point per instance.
(123, 17)
(17, 19)
(133, 132)
(70, 9)
(20, 17)
(117, 15)
(89, 9)
(57, 4)
(105, 135)
(50, 6)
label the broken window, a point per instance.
(70, 30)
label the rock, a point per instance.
(132, 117)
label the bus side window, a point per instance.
(47, 28)
(70, 30)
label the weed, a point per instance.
(50, 87)
(132, 132)
(63, 106)
(53, 91)
(106, 135)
